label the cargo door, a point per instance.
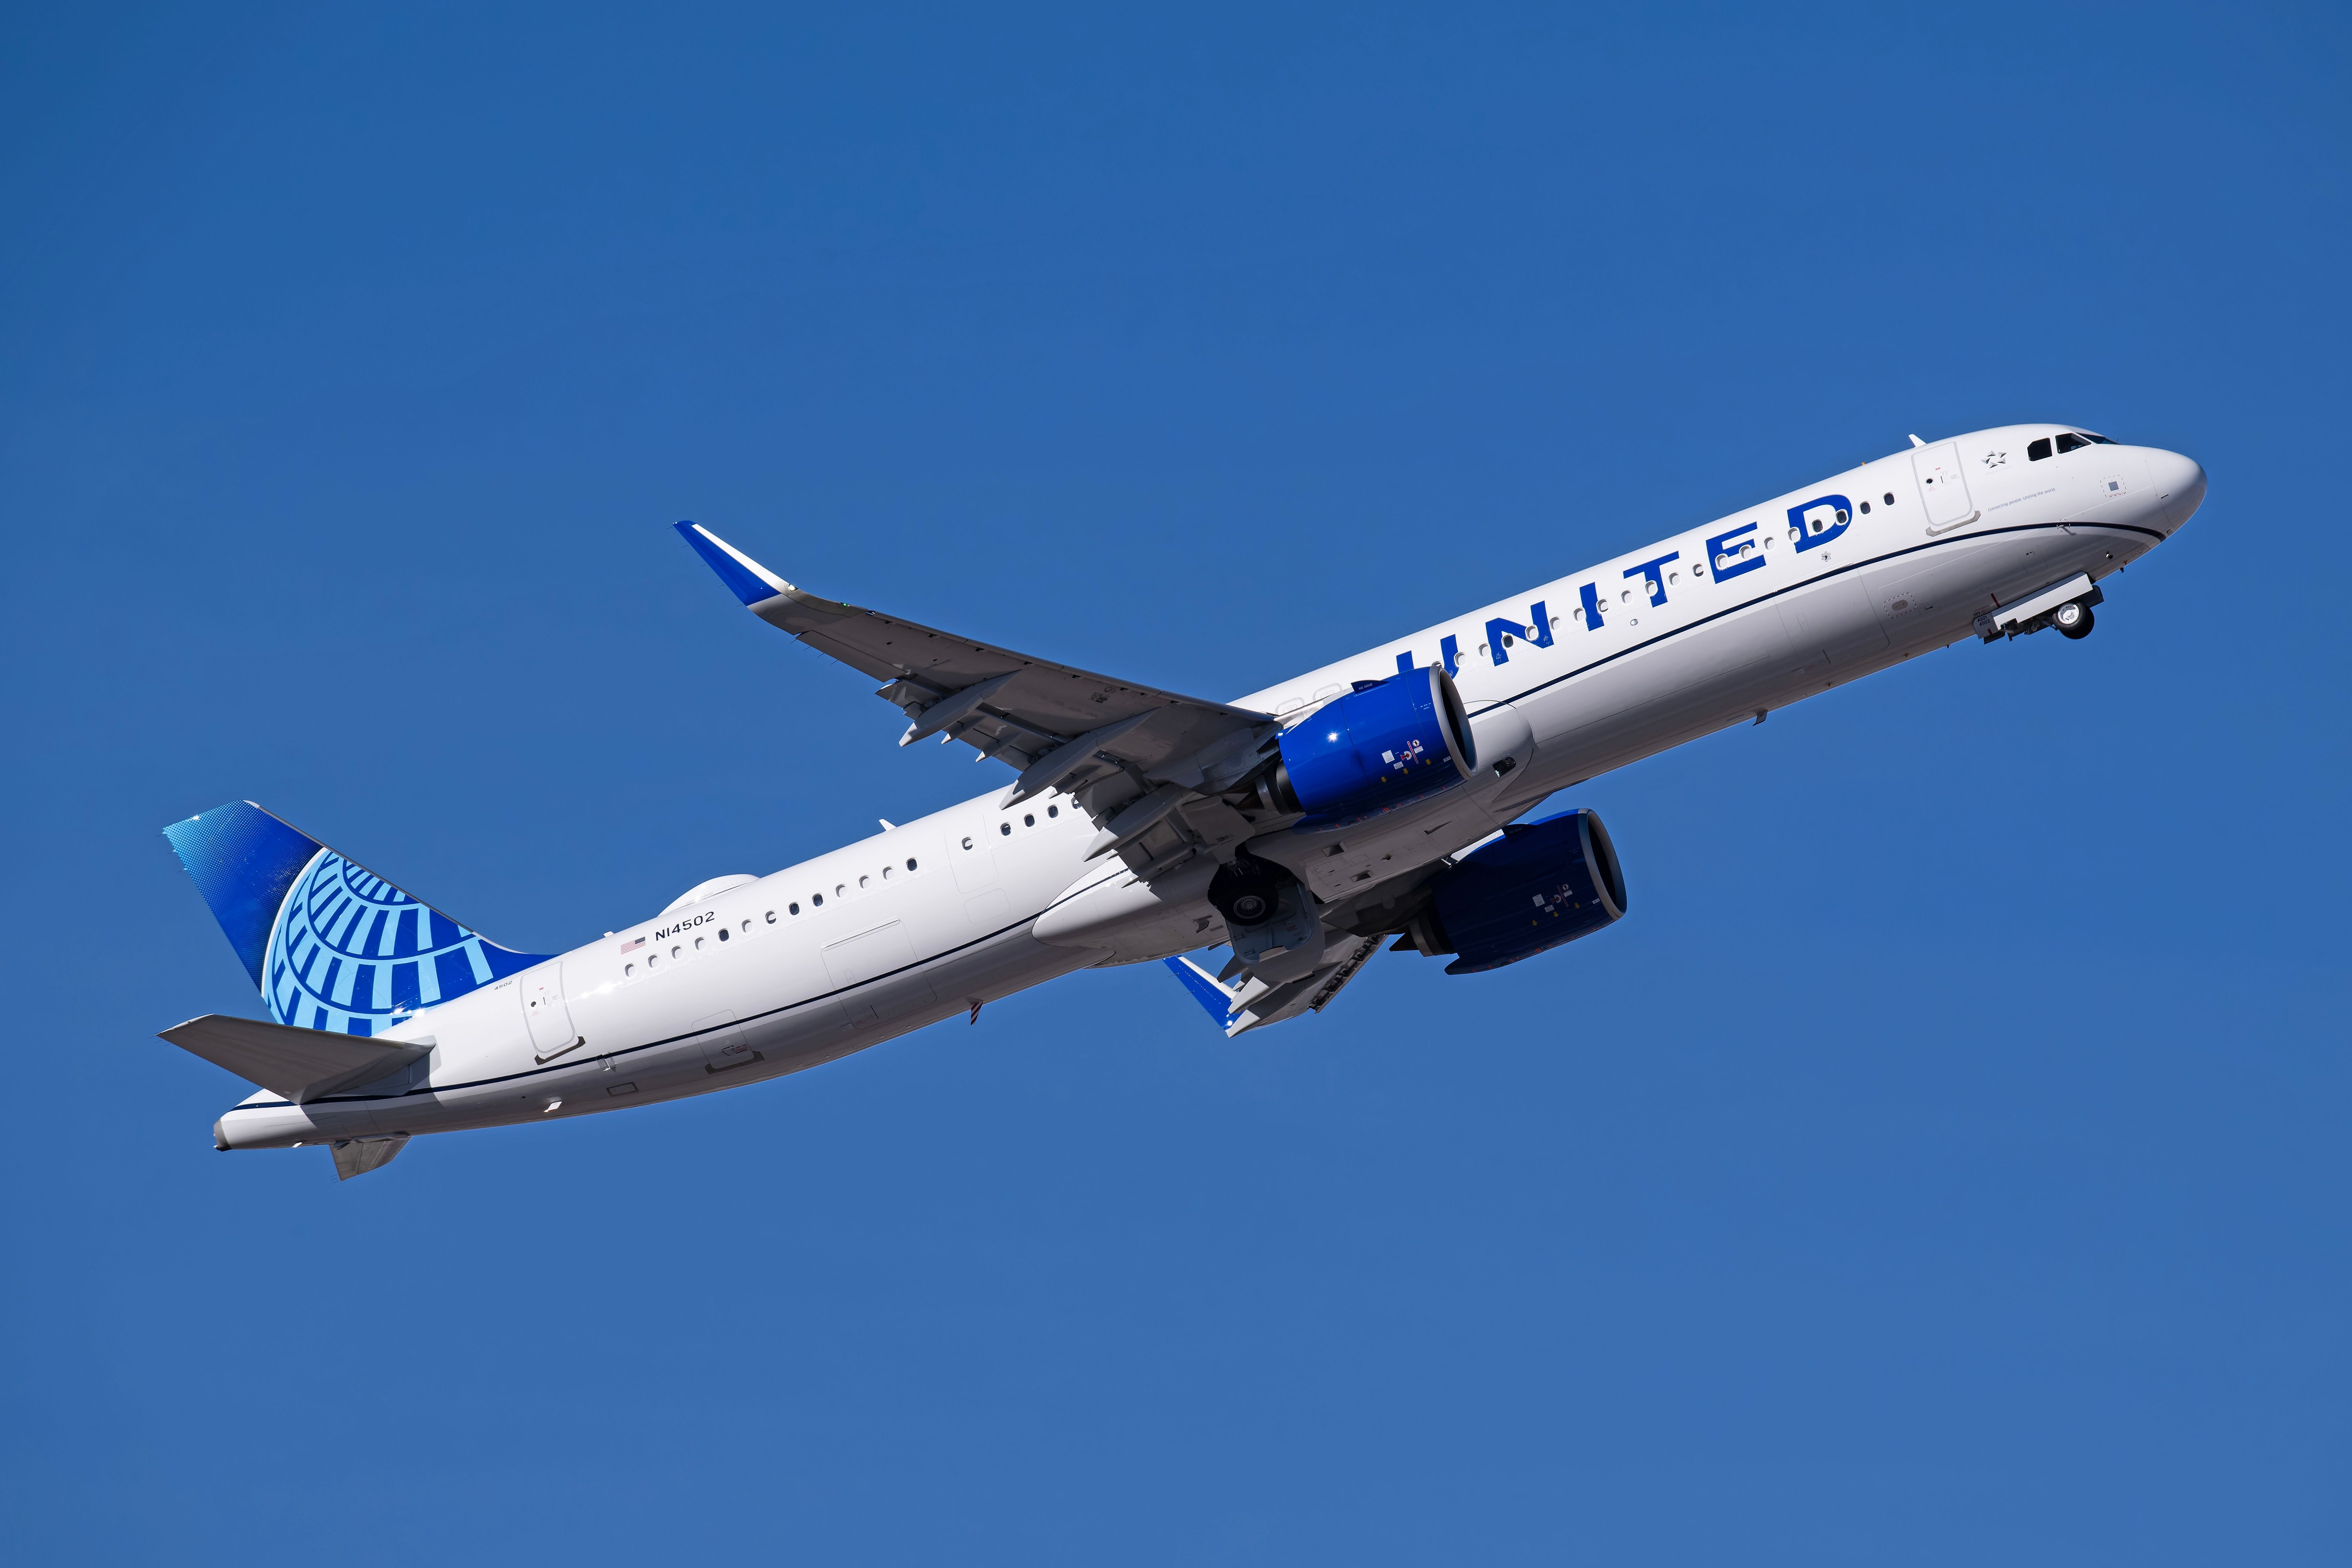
(879, 964)
(543, 1009)
(1942, 488)
(723, 1043)
(1833, 622)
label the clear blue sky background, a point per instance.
(1945, 1163)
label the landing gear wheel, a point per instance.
(2073, 621)
(1248, 893)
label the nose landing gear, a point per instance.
(2066, 605)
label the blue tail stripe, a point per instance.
(404, 997)
(328, 941)
(455, 975)
(243, 860)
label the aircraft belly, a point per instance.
(1351, 861)
(1628, 707)
(1128, 918)
(276, 1126)
(1832, 624)
(1944, 586)
(786, 1037)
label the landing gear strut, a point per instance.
(1271, 920)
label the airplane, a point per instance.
(1379, 802)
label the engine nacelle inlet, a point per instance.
(1540, 884)
(1383, 745)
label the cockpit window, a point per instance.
(2038, 450)
(2068, 441)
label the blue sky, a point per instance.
(1944, 1162)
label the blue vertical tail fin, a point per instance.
(331, 944)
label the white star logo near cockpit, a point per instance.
(1995, 460)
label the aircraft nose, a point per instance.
(2180, 484)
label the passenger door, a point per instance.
(544, 1011)
(1942, 486)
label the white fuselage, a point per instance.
(1711, 626)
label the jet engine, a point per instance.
(1540, 884)
(1384, 744)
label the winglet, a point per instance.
(751, 581)
(1204, 989)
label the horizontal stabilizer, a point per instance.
(300, 1064)
(1204, 989)
(1252, 1004)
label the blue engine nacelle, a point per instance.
(1539, 885)
(1384, 744)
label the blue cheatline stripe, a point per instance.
(745, 585)
(1488, 705)
(1204, 991)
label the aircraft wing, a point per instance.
(1253, 1004)
(1064, 728)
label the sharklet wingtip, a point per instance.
(749, 581)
